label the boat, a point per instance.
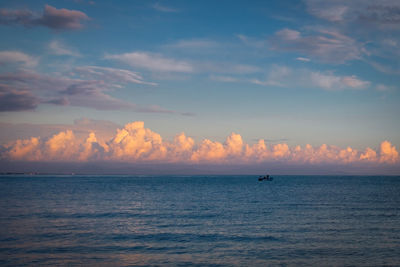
(265, 178)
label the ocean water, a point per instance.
(199, 221)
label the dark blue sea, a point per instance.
(199, 221)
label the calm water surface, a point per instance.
(199, 220)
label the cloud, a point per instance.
(28, 149)
(181, 147)
(252, 42)
(194, 44)
(225, 68)
(15, 57)
(81, 128)
(91, 94)
(16, 17)
(57, 19)
(328, 10)
(11, 100)
(382, 14)
(161, 65)
(226, 79)
(162, 8)
(333, 82)
(322, 45)
(383, 88)
(91, 91)
(204, 48)
(62, 19)
(136, 144)
(374, 24)
(304, 59)
(386, 68)
(265, 82)
(278, 74)
(388, 153)
(304, 78)
(282, 76)
(369, 155)
(61, 146)
(153, 62)
(50, 88)
(60, 49)
(288, 34)
(111, 74)
(33, 81)
(209, 151)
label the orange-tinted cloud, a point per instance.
(369, 155)
(28, 149)
(135, 143)
(181, 147)
(209, 151)
(62, 146)
(388, 153)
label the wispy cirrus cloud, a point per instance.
(136, 144)
(194, 44)
(27, 89)
(160, 64)
(153, 62)
(166, 9)
(111, 74)
(305, 78)
(58, 48)
(322, 45)
(16, 57)
(282, 76)
(92, 94)
(221, 78)
(329, 81)
(252, 42)
(304, 59)
(328, 10)
(384, 15)
(226, 68)
(374, 23)
(59, 90)
(53, 18)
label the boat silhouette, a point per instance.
(265, 178)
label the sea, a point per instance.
(73, 220)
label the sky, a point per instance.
(309, 86)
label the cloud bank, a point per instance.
(136, 144)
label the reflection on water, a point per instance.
(120, 220)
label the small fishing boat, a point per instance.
(265, 178)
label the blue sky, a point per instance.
(298, 72)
